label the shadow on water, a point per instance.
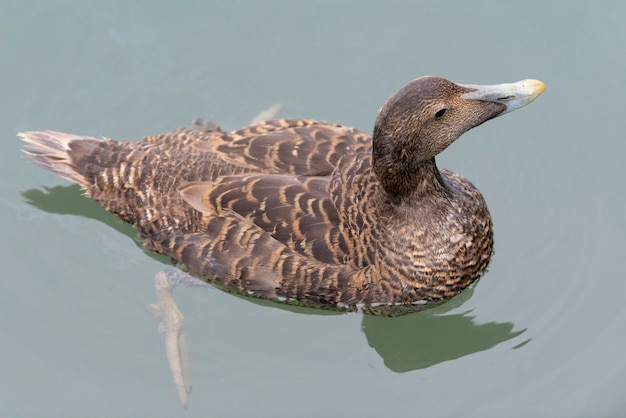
(69, 200)
(427, 338)
(423, 339)
(409, 342)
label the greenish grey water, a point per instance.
(542, 334)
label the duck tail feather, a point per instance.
(50, 150)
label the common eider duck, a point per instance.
(306, 211)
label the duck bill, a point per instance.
(511, 95)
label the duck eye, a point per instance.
(440, 113)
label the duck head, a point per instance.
(424, 117)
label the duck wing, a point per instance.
(297, 211)
(271, 235)
(292, 146)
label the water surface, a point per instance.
(542, 334)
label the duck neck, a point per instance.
(405, 185)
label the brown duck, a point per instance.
(305, 211)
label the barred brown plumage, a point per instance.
(307, 211)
